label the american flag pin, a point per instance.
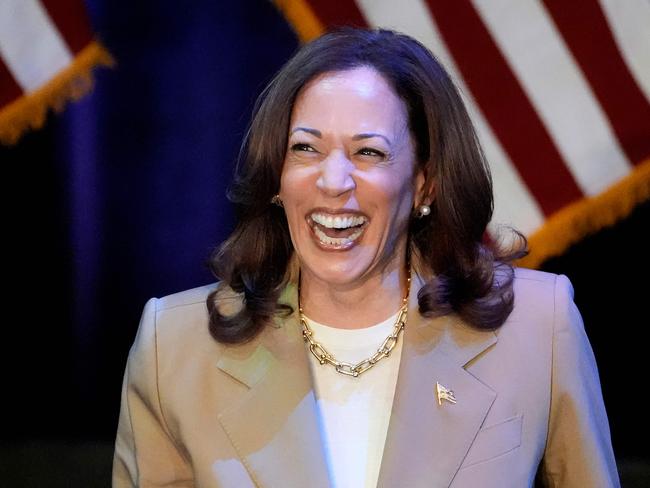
(444, 393)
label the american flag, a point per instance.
(47, 52)
(558, 92)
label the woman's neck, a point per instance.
(358, 305)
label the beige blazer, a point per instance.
(199, 413)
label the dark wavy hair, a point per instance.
(471, 277)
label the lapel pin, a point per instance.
(444, 394)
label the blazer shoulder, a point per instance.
(174, 330)
(181, 320)
(173, 316)
(534, 275)
(539, 297)
(534, 282)
(185, 298)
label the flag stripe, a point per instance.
(626, 106)
(533, 48)
(27, 33)
(72, 22)
(629, 23)
(344, 12)
(514, 204)
(9, 89)
(495, 87)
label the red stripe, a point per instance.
(585, 30)
(343, 12)
(505, 105)
(72, 22)
(9, 89)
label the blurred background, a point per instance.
(120, 195)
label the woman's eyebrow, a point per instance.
(368, 135)
(314, 132)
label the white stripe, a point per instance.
(514, 204)
(30, 45)
(549, 75)
(629, 22)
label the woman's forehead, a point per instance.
(364, 81)
(359, 98)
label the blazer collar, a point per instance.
(274, 426)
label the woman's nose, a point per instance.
(336, 175)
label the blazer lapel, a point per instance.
(275, 426)
(427, 442)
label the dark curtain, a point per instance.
(122, 197)
(118, 199)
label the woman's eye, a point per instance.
(302, 147)
(367, 151)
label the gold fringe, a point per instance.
(589, 215)
(71, 83)
(302, 18)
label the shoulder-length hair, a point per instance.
(470, 277)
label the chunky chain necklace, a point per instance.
(324, 357)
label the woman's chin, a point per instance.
(338, 267)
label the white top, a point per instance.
(354, 412)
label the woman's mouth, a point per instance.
(340, 231)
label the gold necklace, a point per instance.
(324, 357)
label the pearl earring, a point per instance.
(423, 211)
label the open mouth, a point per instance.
(337, 231)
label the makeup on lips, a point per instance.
(336, 229)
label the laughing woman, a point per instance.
(362, 333)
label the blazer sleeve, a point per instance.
(146, 455)
(578, 450)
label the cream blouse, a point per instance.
(354, 412)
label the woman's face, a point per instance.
(348, 182)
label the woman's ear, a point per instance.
(424, 190)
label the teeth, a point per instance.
(337, 222)
(336, 241)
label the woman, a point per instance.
(362, 333)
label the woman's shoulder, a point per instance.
(532, 281)
(527, 274)
(174, 356)
(181, 310)
(179, 319)
(542, 305)
(225, 299)
(539, 295)
(186, 298)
